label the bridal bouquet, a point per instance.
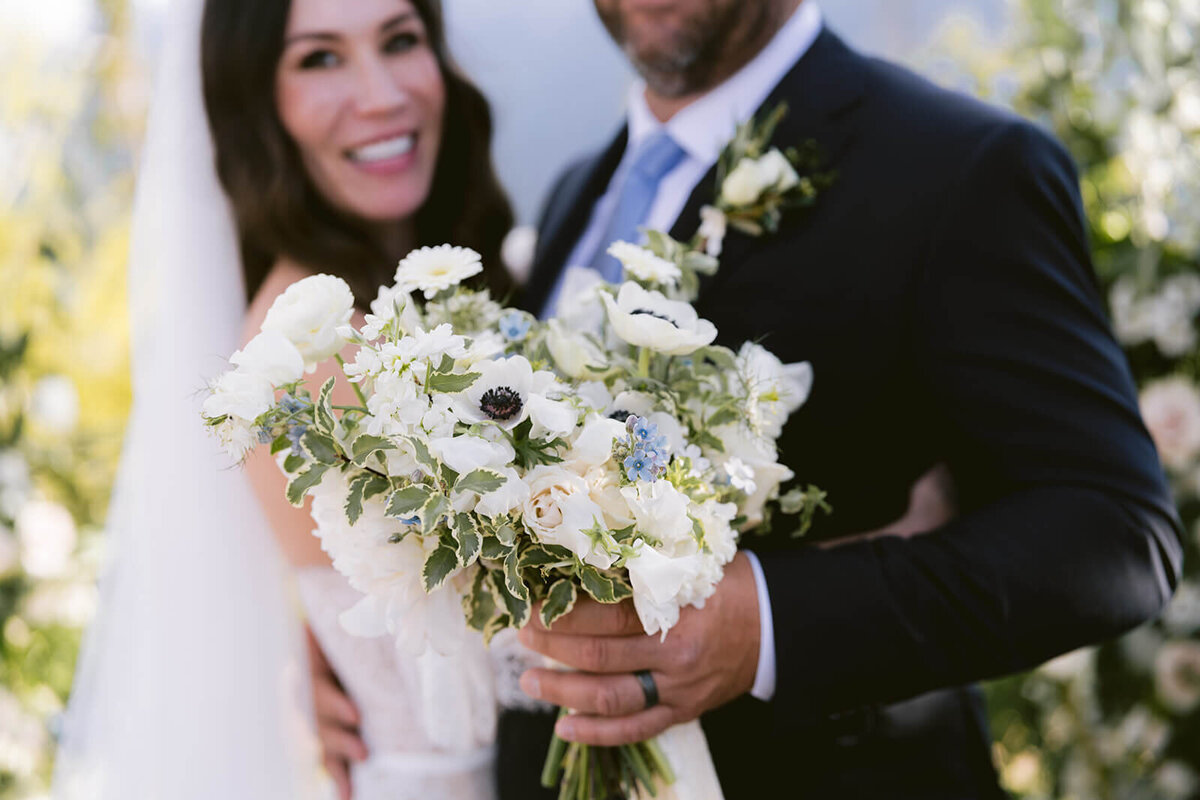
(494, 462)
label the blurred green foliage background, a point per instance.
(1117, 80)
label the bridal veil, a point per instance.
(191, 682)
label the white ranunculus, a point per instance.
(1171, 408)
(272, 356)
(55, 404)
(659, 583)
(649, 319)
(309, 313)
(1177, 675)
(244, 395)
(644, 265)
(661, 512)
(713, 226)
(47, 535)
(573, 352)
(433, 269)
(560, 510)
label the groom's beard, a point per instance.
(694, 48)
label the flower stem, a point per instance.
(362, 398)
(643, 365)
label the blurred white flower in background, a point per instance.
(22, 737)
(55, 404)
(1177, 675)
(1171, 409)
(47, 536)
(517, 251)
(14, 482)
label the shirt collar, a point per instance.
(704, 127)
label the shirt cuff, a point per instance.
(764, 675)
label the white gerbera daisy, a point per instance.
(432, 269)
(644, 265)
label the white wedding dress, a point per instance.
(428, 722)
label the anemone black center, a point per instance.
(654, 314)
(500, 403)
(620, 415)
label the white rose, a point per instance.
(239, 394)
(744, 184)
(46, 532)
(649, 319)
(661, 512)
(309, 313)
(271, 356)
(559, 511)
(1171, 409)
(778, 171)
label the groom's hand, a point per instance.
(708, 659)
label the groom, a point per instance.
(943, 291)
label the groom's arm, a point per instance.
(1068, 535)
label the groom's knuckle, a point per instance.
(685, 655)
(608, 700)
(594, 653)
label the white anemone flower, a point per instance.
(643, 264)
(432, 269)
(649, 319)
(500, 394)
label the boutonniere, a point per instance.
(757, 182)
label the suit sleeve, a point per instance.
(1066, 534)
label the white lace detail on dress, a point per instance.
(402, 699)
(509, 659)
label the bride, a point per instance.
(343, 136)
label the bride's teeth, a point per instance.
(381, 151)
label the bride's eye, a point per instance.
(401, 42)
(319, 59)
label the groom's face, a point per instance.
(683, 46)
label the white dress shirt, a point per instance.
(702, 129)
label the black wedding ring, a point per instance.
(649, 687)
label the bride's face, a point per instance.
(360, 91)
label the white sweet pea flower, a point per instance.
(239, 394)
(561, 511)
(775, 389)
(593, 445)
(595, 395)
(551, 418)
(757, 455)
(511, 495)
(644, 265)
(433, 269)
(648, 319)
(719, 535)
(466, 452)
(659, 584)
(272, 356)
(309, 314)
(661, 512)
(579, 306)
(500, 394)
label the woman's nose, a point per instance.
(378, 91)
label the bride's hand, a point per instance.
(931, 505)
(337, 720)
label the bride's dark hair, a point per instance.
(280, 212)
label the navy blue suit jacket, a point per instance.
(943, 291)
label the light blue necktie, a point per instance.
(655, 157)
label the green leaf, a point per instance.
(320, 446)
(495, 625)
(512, 576)
(480, 480)
(538, 556)
(377, 485)
(468, 537)
(723, 357)
(354, 499)
(438, 566)
(294, 462)
(281, 443)
(298, 486)
(706, 439)
(479, 604)
(366, 445)
(423, 456)
(518, 609)
(507, 535)
(723, 417)
(405, 502)
(493, 549)
(449, 384)
(602, 587)
(432, 512)
(323, 409)
(559, 600)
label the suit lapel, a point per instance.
(820, 90)
(567, 216)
